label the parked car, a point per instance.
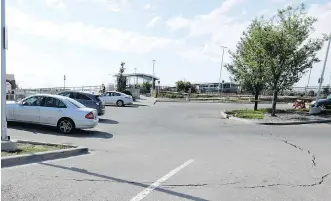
(89, 100)
(323, 104)
(53, 110)
(117, 98)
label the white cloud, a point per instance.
(59, 4)
(148, 7)
(153, 21)
(178, 23)
(113, 5)
(87, 35)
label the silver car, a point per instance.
(62, 112)
(117, 98)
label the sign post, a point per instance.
(4, 46)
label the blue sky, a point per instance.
(88, 39)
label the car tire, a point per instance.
(65, 125)
(120, 103)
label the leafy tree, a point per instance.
(180, 86)
(147, 86)
(249, 62)
(289, 48)
(121, 80)
(185, 86)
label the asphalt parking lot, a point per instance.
(177, 151)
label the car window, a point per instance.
(82, 97)
(76, 103)
(54, 102)
(73, 95)
(116, 94)
(67, 94)
(33, 101)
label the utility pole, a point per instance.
(153, 77)
(136, 78)
(64, 82)
(308, 81)
(322, 75)
(4, 46)
(219, 80)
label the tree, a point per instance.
(121, 80)
(249, 62)
(185, 87)
(180, 86)
(289, 48)
(147, 86)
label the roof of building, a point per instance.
(141, 75)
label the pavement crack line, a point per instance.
(319, 182)
(198, 185)
(311, 154)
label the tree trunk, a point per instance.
(274, 101)
(256, 99)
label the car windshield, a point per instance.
(75, 103)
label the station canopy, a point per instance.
(141, 75)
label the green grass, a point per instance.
(24, 148)
(249, 113)
(259, 114)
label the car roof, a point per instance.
(51, 95)
(81, 92)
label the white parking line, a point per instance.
(157, 183)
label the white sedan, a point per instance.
(117, 98)
(54, 110)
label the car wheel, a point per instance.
(120, 103)
(65, 125)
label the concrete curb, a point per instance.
(224, 115)
(10, 161)
(212, 101)
(295, 123)
(242, 120)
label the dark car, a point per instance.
(324, 104)
(87, 99)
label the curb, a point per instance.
(296, 123)
(242, 120)
(214, 101)
(224, 115)
(10, 161)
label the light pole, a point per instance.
(322, 75)
(219, 80)
(4, 36)
(308, 81)
(64, 82)
(136, 78)
(153, 77)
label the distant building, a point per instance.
(228, 87)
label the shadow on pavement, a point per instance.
(49, 130)
(134, 105)
(107, 121)
(84, 171)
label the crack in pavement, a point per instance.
(312, 155)
(321, 181)
(198, 185)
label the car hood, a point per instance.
(321, 101)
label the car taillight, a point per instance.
(89, 115)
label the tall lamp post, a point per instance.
(306, 90)
(4, 36)
(219, 80)
(153, 77)
(322, 75)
